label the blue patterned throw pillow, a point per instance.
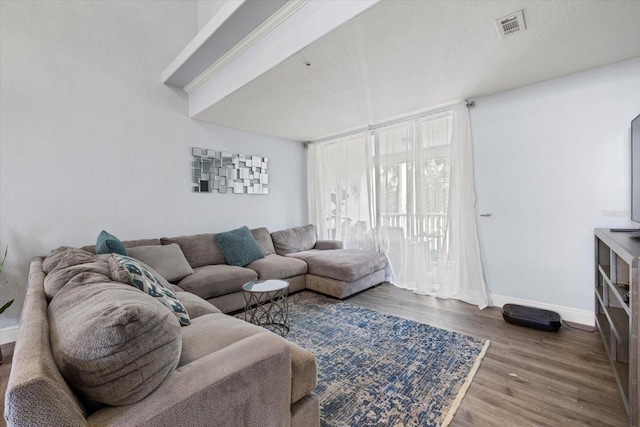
(142, 278)
(107, 243)
(239, 247)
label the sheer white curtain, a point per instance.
(340, 188)
(460, 270)
(412, 180)
(419, 203)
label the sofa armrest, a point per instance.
(328, 244)
(246, 383)
(37, 394)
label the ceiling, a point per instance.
(401, 57)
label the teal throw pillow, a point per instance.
(109, 244)
(239, 247)
(137, 274)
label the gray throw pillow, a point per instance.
(263, 237)
(133, 272)
(296, 239)
(70, 265)
(239, 247)
(167, 260)
(111, 342)
(198, 249)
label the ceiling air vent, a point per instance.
(510, 24)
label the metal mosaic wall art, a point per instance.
(228, 173)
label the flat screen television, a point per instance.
(635, 170)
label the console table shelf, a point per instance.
(616, 270)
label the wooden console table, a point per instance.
(616, 297)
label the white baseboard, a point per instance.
(570, 314)
(9, 334)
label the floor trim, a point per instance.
(9, 334)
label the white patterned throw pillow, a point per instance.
(142, 278)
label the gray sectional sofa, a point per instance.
(294, 255)
(95, 351)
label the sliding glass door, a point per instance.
(405, 190)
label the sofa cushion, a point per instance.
(70, 265)
(239, 246)
(214, 280)
(127, 244)
(228, 330)
(278, 267)
(199, 249)
(195, 305)
(294, 239)
(37, 394)
(111, 342)
(107, 243)
(167, 260)
(128, 270)
(342, 264)
(263, 237)
(329, 244)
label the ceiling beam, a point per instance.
(230, 24)
(295, 25)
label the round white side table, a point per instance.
(266, 304)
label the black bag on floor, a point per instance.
(532, 317)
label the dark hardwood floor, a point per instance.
(527, 377)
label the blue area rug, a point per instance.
(380, 370)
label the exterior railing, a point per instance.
(428, 228)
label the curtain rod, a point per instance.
(467, 102)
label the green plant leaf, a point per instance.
(7, 305)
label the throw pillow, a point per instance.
(239, 247)
(198, 249)
(112, 343)
(263, 237)
(168, 260)
(296, 239)
(70, 265)
(109, 244)
(133, 272)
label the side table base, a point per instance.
(268, 309)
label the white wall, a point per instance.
(551, 164)
(92, 140)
